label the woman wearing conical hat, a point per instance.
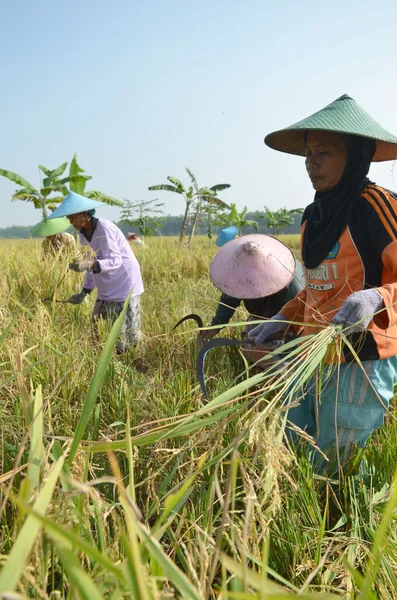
(257, 270)
(349, 251)
(109, 265)
(56, 237)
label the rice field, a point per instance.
(119, 481)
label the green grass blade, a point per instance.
(61, 536)
(96, 383)
(134, 568)
(170, 569)
(36, 456)
(17, 559)
(5, 333)
(80, 580)
(379, 543)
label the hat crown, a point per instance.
(251, 247)
(343, 116)
(252, 266)
(73, 204)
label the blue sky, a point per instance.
(141, 89)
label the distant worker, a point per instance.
(111, 267)
(132, 237)
(56, 237)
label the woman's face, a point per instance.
(79, 220)
(326, 158)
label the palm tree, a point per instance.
(52, 183)
(192, 194)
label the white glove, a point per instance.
(267, 329)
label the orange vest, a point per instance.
(344, 272)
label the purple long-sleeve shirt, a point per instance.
(119, 272)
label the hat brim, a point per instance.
(74, 204)
(292, 141)
(247, 276)
(49, 227)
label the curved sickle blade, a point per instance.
(192, 316)
(209, 346)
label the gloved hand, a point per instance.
(267, 329)
(77, 298)
(358, 310)
(79, 267)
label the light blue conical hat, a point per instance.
(226, 235)
(343, 116)
(46, 227)
(73, 204)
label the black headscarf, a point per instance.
(328, 215)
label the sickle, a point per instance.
(192, 316)
(209, 346)
(51, 299)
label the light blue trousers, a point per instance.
(345, 408)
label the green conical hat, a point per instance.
(343, 115)
(50, 227)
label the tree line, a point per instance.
(171, 226)
(205, 212)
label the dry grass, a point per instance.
(219, 496)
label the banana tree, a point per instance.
(39, 197)
(238, 219)
(177, 187)
(54, 188)
(280, 219)
(193, 194)
(77, 183)
(207, 195)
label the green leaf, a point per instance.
(380, 542)
(5, 333)
(134, 566)
(46, 191)
(56, 200)
(45, 170)
(25, 196)
(17, 179)
(81, 581)
(62, 536)
(176, 182)
(219, 187)
(37, 453)
(215, 201)
(193, 179)
(268, 589)
(204, 191)
(75, 168)
(18, 557)
(101, 197)
(52, 175)
(77, 183)
(165, 187)
(96, 382)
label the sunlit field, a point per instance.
(119, 480)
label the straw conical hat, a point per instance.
(73, 204)
(343, 115)
(252, 266)
(50, 227)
